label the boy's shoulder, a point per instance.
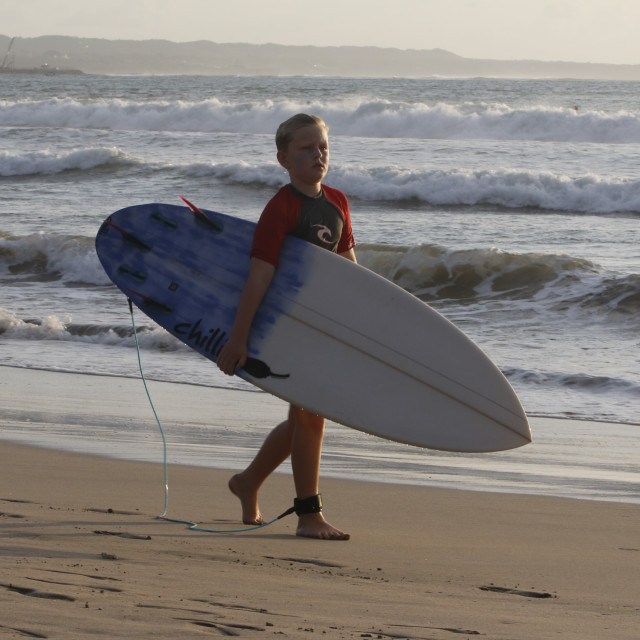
(335, 192)
(282, 192)
(336, 196)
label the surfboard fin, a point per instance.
(129, 238)
(157, 216)
(126, 270)
(150, 302)
(202, 216)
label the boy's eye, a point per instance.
(313, 147)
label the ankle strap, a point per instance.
(302, 506)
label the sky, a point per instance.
(570, 30)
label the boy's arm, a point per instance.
(233, 354)
(349, 255)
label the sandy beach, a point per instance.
(85, 555)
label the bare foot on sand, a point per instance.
(248, 499)
(313, 525)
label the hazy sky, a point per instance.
(576, 30)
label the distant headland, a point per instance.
(64, 54)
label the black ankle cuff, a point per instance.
(302, 506)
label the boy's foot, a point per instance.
(313, 525)
(248, 499)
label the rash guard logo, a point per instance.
(323, 234)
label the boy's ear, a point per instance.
(282, 159)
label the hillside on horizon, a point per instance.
(100, 56)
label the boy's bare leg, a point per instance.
(246, 485)
(306, 450)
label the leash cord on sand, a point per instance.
(194, 526)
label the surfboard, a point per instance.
(330, 336)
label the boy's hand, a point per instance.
(234, 352)
(232, 357)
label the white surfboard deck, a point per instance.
(336, 338)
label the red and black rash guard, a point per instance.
(324, 221)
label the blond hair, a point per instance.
(288, 128)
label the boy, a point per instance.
(309, 210)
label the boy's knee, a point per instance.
(307, 418)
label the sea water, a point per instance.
(511, 206)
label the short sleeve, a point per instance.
(277, 220)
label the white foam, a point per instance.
(511, 188)
(47, 162)
(502, 187)
(369, 118)
(62, 328)
(69, 258)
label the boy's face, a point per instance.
(307, 158)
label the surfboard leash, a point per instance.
(193, 526)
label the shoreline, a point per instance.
(220, 428)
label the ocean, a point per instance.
(511, 206)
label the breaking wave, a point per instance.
(368, 118)
(506, 188)
(515, 189)
(431, 272)
(64, 329)
(48, 163)
(554, 282)
(45, 257)
(509, 188)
